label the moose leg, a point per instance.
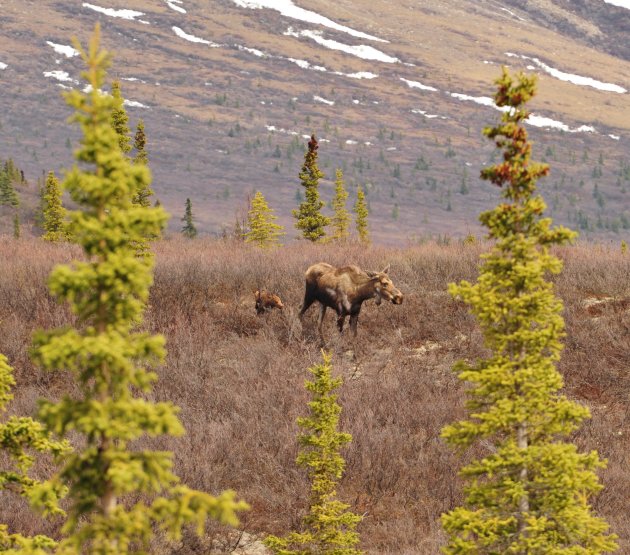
(354, 320)
(340, 321)
(320, 321)
(308, 301)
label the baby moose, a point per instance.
(265, 301)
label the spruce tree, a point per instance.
(54, 224)
(143, 196)
(120, 119)
(17, 231)
(117, 496)
(139, 144)
(263, 231)
(341, 216)
(20, 439)
(8, 194)
(361, 216)
(329, 527)
(529, 495)
(144, 192)
(310, 221)
(189, 230)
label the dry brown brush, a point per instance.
(239, 378)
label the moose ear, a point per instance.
(257, 294)
(386, 270)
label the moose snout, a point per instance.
(397, 299)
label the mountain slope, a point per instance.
(396, 91)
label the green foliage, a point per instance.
(15, 175)
(144, 193)
(361, 216)
(20, 437)
(8, 194)
(117, 496)
(17, 232)
(530, 494)
(341, 216)
(329, 527)
(139, 144)
(470, 239)
(189, 230)
(263, 232)
(120, 119)
(54, 224)
(310, 221)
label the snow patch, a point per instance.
(67, 51)
(173, 5)
(533, 119)
(130, 15)
(360, 51)
(512, 14)
(427, 115)
(619, 3)
(254, 51)
(306, 65)
(324, 101)
(192, 38)
(359, 75)
(351, 142)
(614, 137)
(541, 121)
(3, 65)
(134, 104)
(483, 100)
(288, 9)
(418, 85)
(571, 77)
(60, 76)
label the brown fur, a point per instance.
(344, 290)
(265, 301)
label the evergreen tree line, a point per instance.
(262, 231)
(529, 495)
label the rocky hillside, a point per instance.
(397, 91)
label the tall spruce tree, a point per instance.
(263, 231)
(188, 230)
(530, 494)
(8, 194)
(144, 192)
(120, 119)
(341, 216)
(117, 496)
(310, 221)
(17, 228)
(361, 216)
(329, 527)
(143, 196)
(54, 224)
(20, 439)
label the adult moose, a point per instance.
(344, 290)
